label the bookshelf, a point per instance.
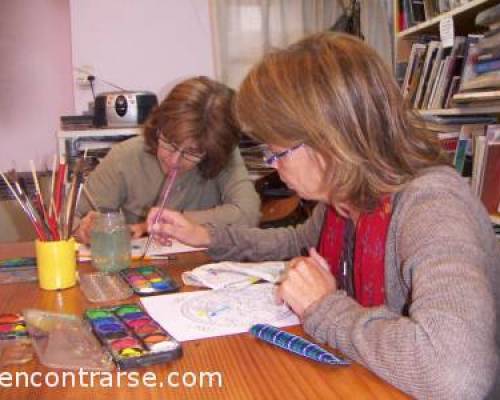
(461, 111)
(464, 23)
(455, 86)
(463, 16)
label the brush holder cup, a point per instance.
(56, 261)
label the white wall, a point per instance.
(136, 44)
(140, 45)
(35, 79)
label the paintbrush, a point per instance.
(90, 198)
(167, 187)
(28, 213)
(52, 188)
(22, 191)
(32, 204)
(72, 196)
(44, 211)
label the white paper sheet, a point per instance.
(137, 249)
(210, 313)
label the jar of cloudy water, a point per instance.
(110, 242)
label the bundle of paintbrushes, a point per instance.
(53, 219)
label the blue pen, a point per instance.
(295, 344)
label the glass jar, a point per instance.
(110, 242)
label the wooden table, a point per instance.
(250, 369)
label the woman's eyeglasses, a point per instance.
(270, 157)
(185, 154)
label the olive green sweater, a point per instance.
(130, 179)
(434, 337)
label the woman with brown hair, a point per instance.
(402, 273)
(193, 129)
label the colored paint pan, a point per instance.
(10, 318)
(95, 314)
(128, 341)
(128, 309)
(135, 315)
(145, 270)
(147, 329)
(137, 323)
(109, 327)
(130, 352)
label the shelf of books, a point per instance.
(417, 17)
(450, 74)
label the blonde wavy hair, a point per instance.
(335, 94)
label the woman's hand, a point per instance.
(307, 282)
(138, 230)
(82, 234)
(172, 224)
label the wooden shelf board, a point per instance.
(466, 11)
(462, 111)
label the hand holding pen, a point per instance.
(306, 281)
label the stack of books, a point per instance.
(434, 73)
(479, 146)
(486, 167)
(474, 149)
(481, 84)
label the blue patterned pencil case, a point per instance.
(295, 344)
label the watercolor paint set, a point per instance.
(132, 337)
(148, 280)
(145, 280)
(15, 270)
(15, 343)
(12, 326)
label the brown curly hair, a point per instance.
(200, 109)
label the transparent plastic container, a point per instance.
(65, 341)
(110, 242)
(102, 287)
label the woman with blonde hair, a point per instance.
(403, 263)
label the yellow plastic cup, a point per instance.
(56, 262)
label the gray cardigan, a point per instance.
(435, 335)
(130, 178)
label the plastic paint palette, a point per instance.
(12, 326)
(66, 341)
(149, 280)
(132, 337)
(101, 287)
(21, 269)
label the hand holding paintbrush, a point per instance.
(167, 187)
